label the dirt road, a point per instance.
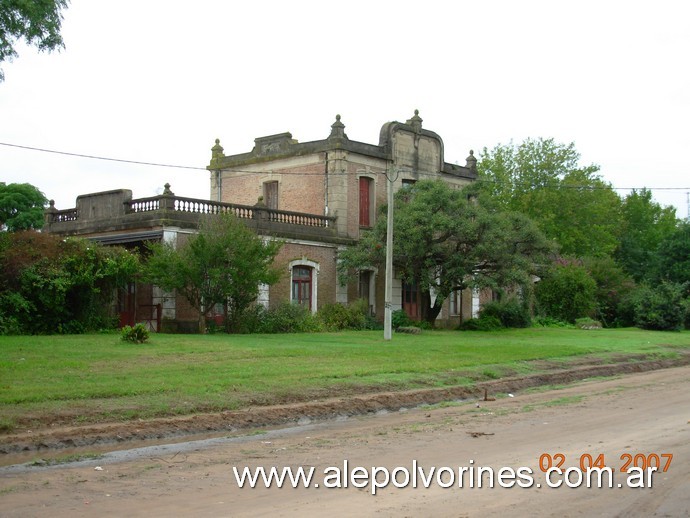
(647, 413)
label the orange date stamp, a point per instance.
(661, 462)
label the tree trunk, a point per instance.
(432, 313)
(202, 323)
(429, 312)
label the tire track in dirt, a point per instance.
(276, 415)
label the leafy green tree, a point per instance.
(223, 264)
(54, 285)
(645, 225)
(673, 257)
(543, 179)
(21, 206)
(37, 22)
(445, 241)
(613, 285)
(566, 292)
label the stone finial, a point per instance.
(167, 191)
(217, 150)
(337, 129)
(472, 162)
(415, 122)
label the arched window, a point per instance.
(303, 283)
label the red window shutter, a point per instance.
(364, 188)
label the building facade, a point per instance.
(316, 197)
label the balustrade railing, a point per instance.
(197, 206)
(65, 215)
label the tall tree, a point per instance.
(645, 225)
(674, 256)
(444, 241)
(543, 179)
(21, 206)
(35, 21)
(223, 264)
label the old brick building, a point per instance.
(315, 196)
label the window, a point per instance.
(411, 300)
(302, 285)
(365, 289)
(408, 183)
(271, 194)
(366, 200)
(456, 303)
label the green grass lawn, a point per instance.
(91, 378)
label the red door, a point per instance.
(126, 307)
(411, 300)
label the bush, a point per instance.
(400, 319)
(136, 335)
(483, 323)
(541, 321)
(290, 318)
(336, 317)
(511, 313)
(613, 285)
(661, 308)
(9, 325)
(567, 292)
(251, 321)
(55, 285)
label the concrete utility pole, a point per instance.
(388, 303)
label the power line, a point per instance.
(247, 172)
(100, 157)
(136, 162)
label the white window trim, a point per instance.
(314, 280)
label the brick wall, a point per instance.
(324, 256)
(300, 183)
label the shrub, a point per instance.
(400, 319)
(483, 323)
(542, 321)
(336, 317)
(511, 313)
(138, 334)
(613, 285)
(567, 292)
(55, 285)
(251, 321)
(290, 318)
(661, 308)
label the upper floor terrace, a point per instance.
(115, 217)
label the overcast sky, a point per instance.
(159, 80)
